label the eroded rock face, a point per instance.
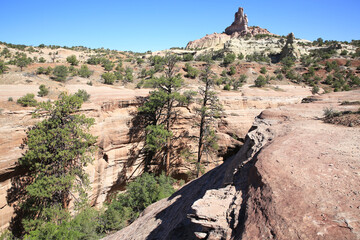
(117, 159)
(240, 23)
(294, 178)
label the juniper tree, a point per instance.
(58, 149)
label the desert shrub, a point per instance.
(229, 58)
(306, 60)
(241, 56)
(42, 60)
(22, 61)
(139, 61)
(128, 75)
(84, 71)
(227, 87)
(238, 83)
(188, 57)
(81, 93)
(73, 71)
(109, 78)
(10, 99)
(257, 57)
(72, 60)
(315, 89)
(348, 63)
(279, 76)
(40, 70)
(27, 100)
(3, 67)
(93, 60)
(43, 91)
(287, 62)
(142, 192)
(232, 71)
(191, 72)
(263, 70)
(344, 53)
(108, 65)
(260, 81)
(60, 73)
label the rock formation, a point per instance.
(295, 177)
(240, 23)
(113, 165)
(290, 49)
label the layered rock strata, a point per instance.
(117, 159)
(295, 177)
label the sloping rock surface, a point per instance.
(294, 178)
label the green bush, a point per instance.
(3, 67)
(10, 99)
(315, 89)
(27, 100)
(84, 71)
(108, 65)
(260, 81)
(60, 73)
(81, 93)
(232, 71)
(72, 60)
(109, 78)
(188, 57)
(227, 87)
(42, 60)
(40, 70)
(43, 91)
(241, 56)
(229, 58)
(128, 75)
(191, 72)
(144, 191)
(263, 70)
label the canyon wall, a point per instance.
(117, 160)
(295, 177)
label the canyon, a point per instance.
(295, 177)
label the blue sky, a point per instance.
(158, 24)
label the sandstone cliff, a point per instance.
(294, 178)
(113, 110)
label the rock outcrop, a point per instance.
(240, 23)
(290, 49)
(113, 110)
(295, 177)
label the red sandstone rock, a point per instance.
(296, 177)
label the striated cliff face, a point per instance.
(117, 159)
(294, 178)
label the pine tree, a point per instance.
(58, 149)
(208, 110)
(161, 104)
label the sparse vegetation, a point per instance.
(260, 81)
(43, 91)
(27, 101)
(60, 73)
(84, 71)
(72, 60)
(109, 78)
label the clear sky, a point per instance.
(140, 25)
